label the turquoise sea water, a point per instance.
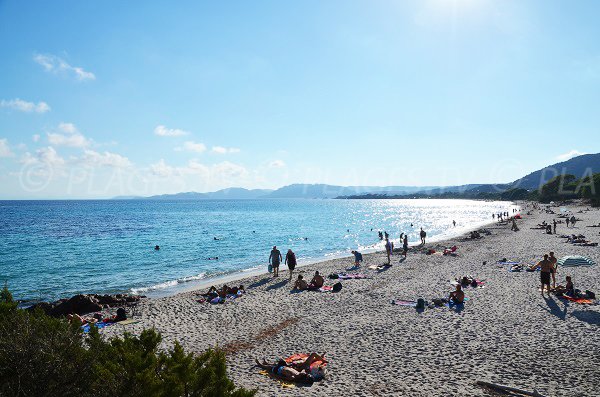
(53, 249)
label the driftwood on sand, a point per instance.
(503, 388)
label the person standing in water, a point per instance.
(290, 261)
(275, 259)
(454, 223)
(423, 235)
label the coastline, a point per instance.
(505, 334)
(239, 276)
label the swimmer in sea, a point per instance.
(156, 248)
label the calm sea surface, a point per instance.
(53, 249)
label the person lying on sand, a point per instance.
(457, 297)
(282, 370)
(467, 281)
(316, 282)
(300, 284)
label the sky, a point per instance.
(100, 99)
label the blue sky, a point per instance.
(99, 99)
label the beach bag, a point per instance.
(590, 294)
(270, 268)
(337, 287)
(334, 276)
(420, 303)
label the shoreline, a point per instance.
(241, 275)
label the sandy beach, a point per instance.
(506, 333)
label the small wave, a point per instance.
(168, 284)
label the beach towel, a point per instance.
(451, 305)
(580, 301)
(315, 366)
(351, 276)
(282, 382)
(325, 288)
(400, 302)
(128, 321)
(86, 327)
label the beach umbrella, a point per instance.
(575, 260)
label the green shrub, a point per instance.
(46, 356)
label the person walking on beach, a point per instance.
(290, 261)
(546, 270)
(423, 235)
(275, 259)
(454, 223)
(405, 246)
(357, 258)
(554, 224)
(554, 261)
(388, 249)
(573, 220)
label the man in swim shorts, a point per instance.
(546, 267)
(275, 259)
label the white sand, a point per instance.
(506, 333)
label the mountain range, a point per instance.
(579, 166)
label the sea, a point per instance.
(56, 249)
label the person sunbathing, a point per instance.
(458, 296)
(300, 284)
(316, 282)
(282, 370)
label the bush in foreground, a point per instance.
(46, 356)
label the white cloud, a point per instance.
(569, 155)
(36, 137)
(224, 150)
(54, 64)
(191, 146)
(71, 137)
(69, 128)
(106, 159)
(227, 169)
(4, 149)
(24, 106)
(161, 130)
(277, 164)
(162, 169)
(46, 155)
(218, 171)
(74, 140)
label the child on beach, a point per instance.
(357, 258)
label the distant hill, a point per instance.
(579, 166)
(322, 191)
(238, 193)
(234, 193)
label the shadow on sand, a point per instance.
(277, 285)
(260, 282)
(587, 316)
(554, 309)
